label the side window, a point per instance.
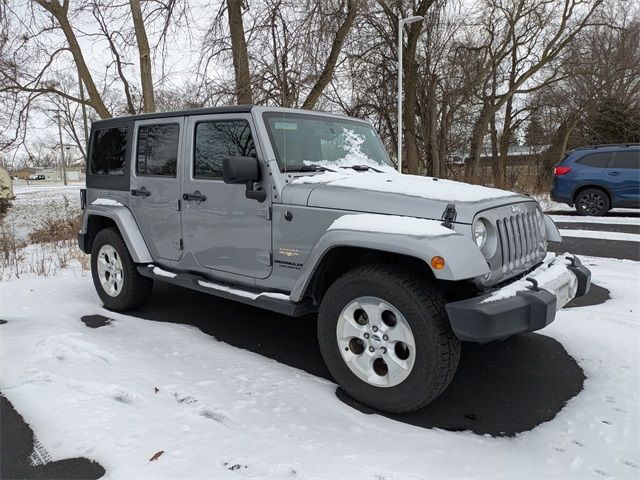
(157, 150)
(628, 159)
(108, 151)
(217, 139)
(597, 160)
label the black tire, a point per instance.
(437, 352)
(592, 201)
(134, 289)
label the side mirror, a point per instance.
(243, 170)
(240, 169)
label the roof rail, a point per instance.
(606, 145)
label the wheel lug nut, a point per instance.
(385, 337)
(384, 350)
(371, 349)
(366, 335)
(375, 329)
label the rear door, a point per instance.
(623, 176)
(224, 229)
(155, 185)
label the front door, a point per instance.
(223, 229)
(623, 176)
(155, 185)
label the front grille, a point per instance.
(519, 239)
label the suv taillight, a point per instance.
(561, 170)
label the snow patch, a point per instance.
(106, 201)
(243, 293)
(371, 222)
(257, 417)
(624, 237)
(411, 185)
(163, 273)
(601, 220)
(551, 274)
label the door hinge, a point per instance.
(265, 258)
(263, 211)
(180, 245)
(178, 205)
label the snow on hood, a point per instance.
(368, 222)
(411, 185)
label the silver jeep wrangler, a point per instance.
(303, 213)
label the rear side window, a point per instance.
(157, 150)
(218, 139)
(108, 151)
(597, 160)
(628, 159)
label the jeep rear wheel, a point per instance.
(115, 276)
(385, 338)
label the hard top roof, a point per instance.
(208, 111)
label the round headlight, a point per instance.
(480, 232)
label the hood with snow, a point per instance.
(389, 192)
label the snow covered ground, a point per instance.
(35, 202)
(224, 412)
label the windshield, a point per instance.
(305, 142)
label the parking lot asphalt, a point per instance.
(599, 247)
(17, 449)
(482, 397)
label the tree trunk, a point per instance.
(240, 55)
(146, 76)
(494, 149)
(429, 114)
(330, 65)
(60, 14)
(409, 112)
(475, 145)
(505, 140)
(556, 150)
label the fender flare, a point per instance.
(127, 226)
(551, 231)
(463, 259)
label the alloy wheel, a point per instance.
(376, 341)
(110, 270)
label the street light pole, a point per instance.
(63, 162)
(401, 23)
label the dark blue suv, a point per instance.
(598, 178)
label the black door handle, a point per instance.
(195, 196)
(613, 174)
(143, 192)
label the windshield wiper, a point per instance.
(363, 168)
(310, 168)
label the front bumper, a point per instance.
(525, 305)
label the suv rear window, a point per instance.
(597, 160)
(157, 150)
(630, 159)
(108, 151)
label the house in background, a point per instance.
(23, 173)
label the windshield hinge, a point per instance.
(449, 215)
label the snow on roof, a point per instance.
(370, 222)
(411, 185)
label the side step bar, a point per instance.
(275, 302)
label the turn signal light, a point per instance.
(437, 263)
(561, 170)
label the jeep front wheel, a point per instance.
(115, 276)
(385, 338)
